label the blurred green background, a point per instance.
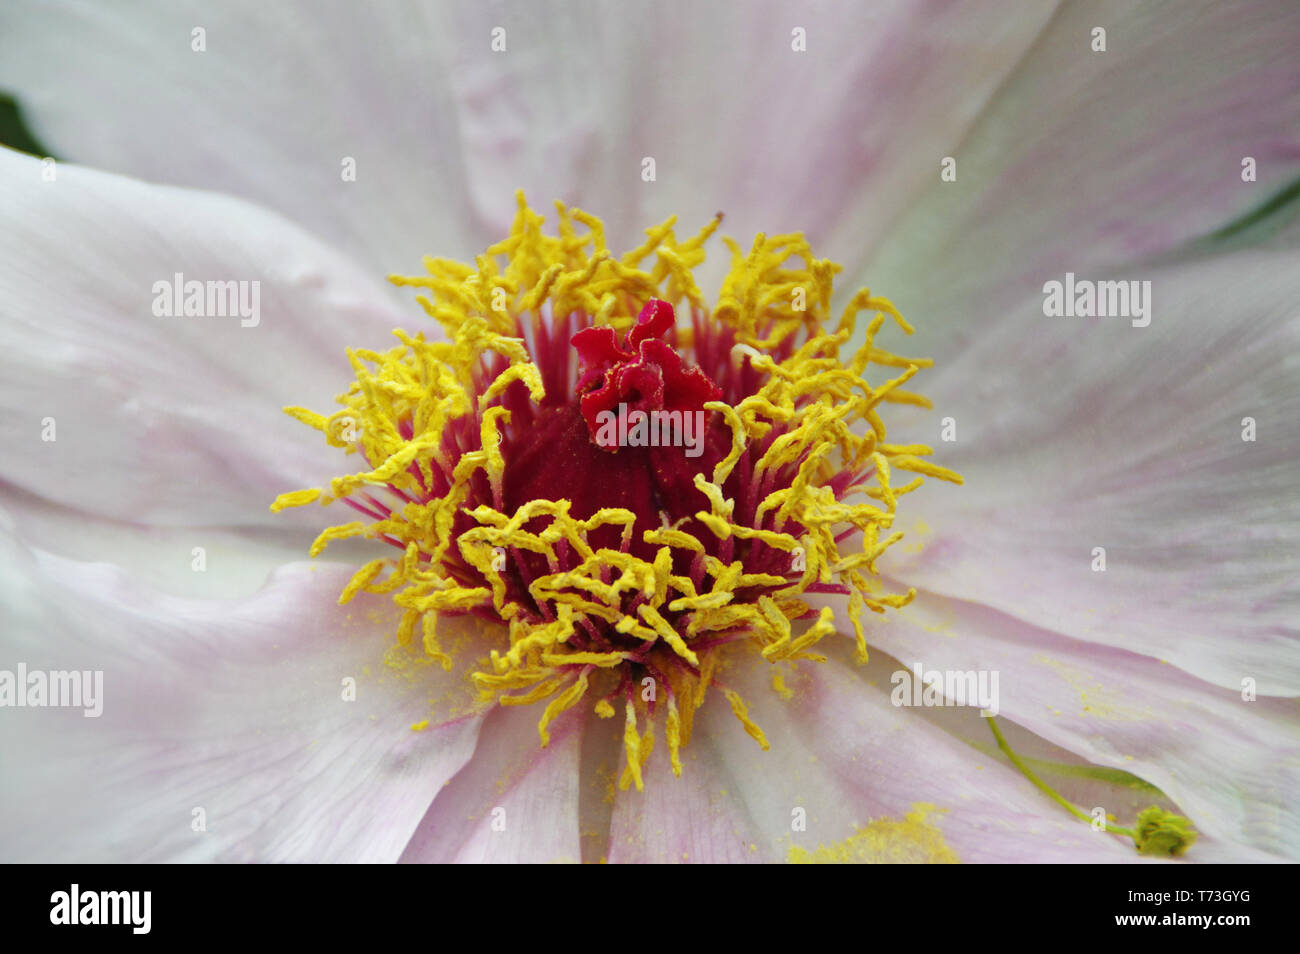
(13, 130)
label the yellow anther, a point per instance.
(742, 713)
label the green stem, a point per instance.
(1042, 786)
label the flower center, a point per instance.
(644, 376)
(630, 497)
(626, 429)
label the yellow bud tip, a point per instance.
(1159, 832)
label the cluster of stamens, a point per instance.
(623, 572)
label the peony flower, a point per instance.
(650, 555)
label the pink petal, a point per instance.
(1099, 434)
(168, 420)
(1090, 160)
(514, 801)
(444, 129)
(1228, 763)
(847, 757)
(234, 707)
(235, 562)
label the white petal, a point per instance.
(233, 708)
(514, 802)
(166, 419)
(1076, 434)
(841, 758)
(1227, 762)
(443, 128)
(1091, 160)
(202, 562)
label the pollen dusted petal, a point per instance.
(625, 570)
(1128, 711)
(851, 761)
(512, 803)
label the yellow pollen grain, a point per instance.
(912, 840)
